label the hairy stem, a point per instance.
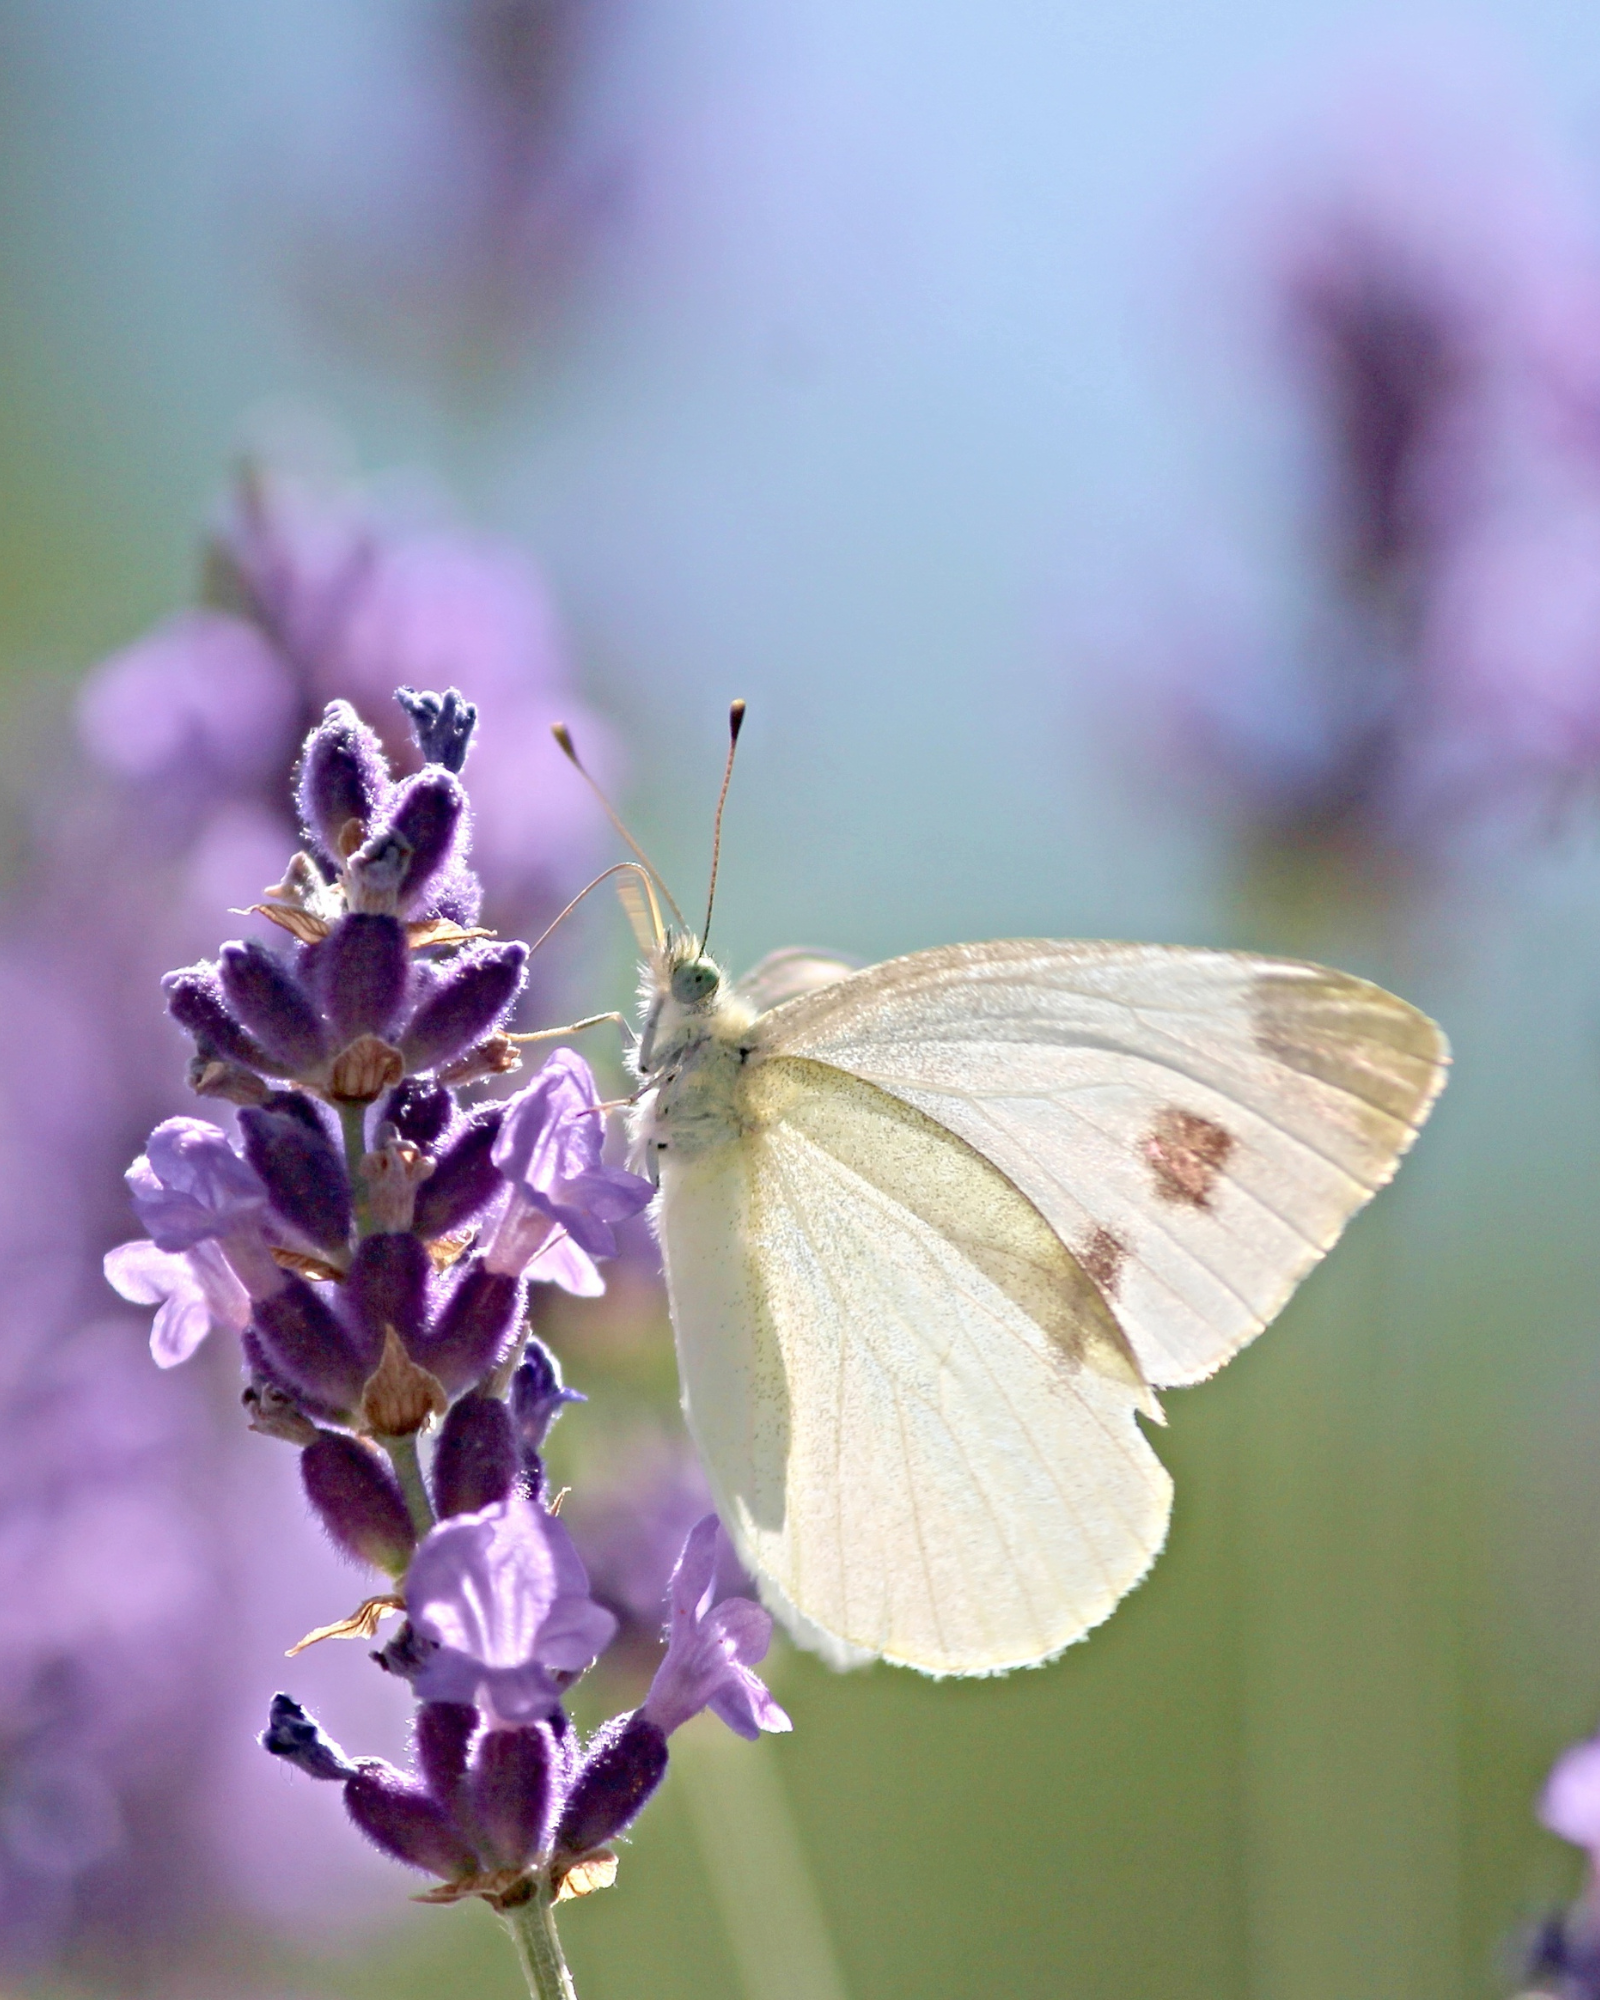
(533, 1931)
(353, 1124)
(408, 1470)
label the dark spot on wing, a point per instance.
(1103, 1257)
(1185, 1154)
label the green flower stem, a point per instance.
(408, 1470)
(353, 1124)
(533, 1931)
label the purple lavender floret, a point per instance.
(538, 1396)
(465, 1178)
(503, 1596)
(359, 1501)
(550, 1147)
(196, 1291)
(189, 1186)
(623, 1763)
(360, 972)
(303, 1173)
(711, 1648)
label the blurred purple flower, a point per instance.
(1570, 1803)
(472, 196)
(1432, 287)
(503, 1596)
(711, 1648)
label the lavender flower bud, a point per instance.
(361, 972)
(622, 1765)
(343, 777)
(538, 1396)
(303, 1347)
(510, 1795)
(303, 1172)
(475, 1461)
(429, 815)
(359, 1501)
(471, 1331)
(194, 1000)
(388, 1286)
(269, 1000)
(404, 1821)
(297, 1738)
(475, 993)
(464, 1180)
(443, 724)
(441, 1736)
(419, 1110)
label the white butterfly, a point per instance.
(935, 1231)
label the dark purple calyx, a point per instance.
(362, 968)
(475, 1462)
(358, 1500)
(273, 1006)
(465, 1178)
(474, 994)
(302, 1170)
(343, 777)
(623, 1764)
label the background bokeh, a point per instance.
(924, 375)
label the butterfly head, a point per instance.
(682, 993)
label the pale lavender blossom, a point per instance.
(711, 1648)
(503, 1597)
(564, 1201)
(195, 1290)
(189, 1185)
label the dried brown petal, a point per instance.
(362, 1623)
(400, 1397)
(441, 931)
(364, 1071)
(498, 1056)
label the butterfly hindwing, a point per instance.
(916, 1411)
(1197, 1126)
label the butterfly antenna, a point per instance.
(735, 724)
(569, 750)
(605, 875)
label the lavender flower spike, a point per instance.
(710, 1650)
(504, 1599)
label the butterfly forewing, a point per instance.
(1196, 1126)
(916, 1410)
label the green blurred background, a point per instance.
(891, 367)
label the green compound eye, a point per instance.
(694, 981)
